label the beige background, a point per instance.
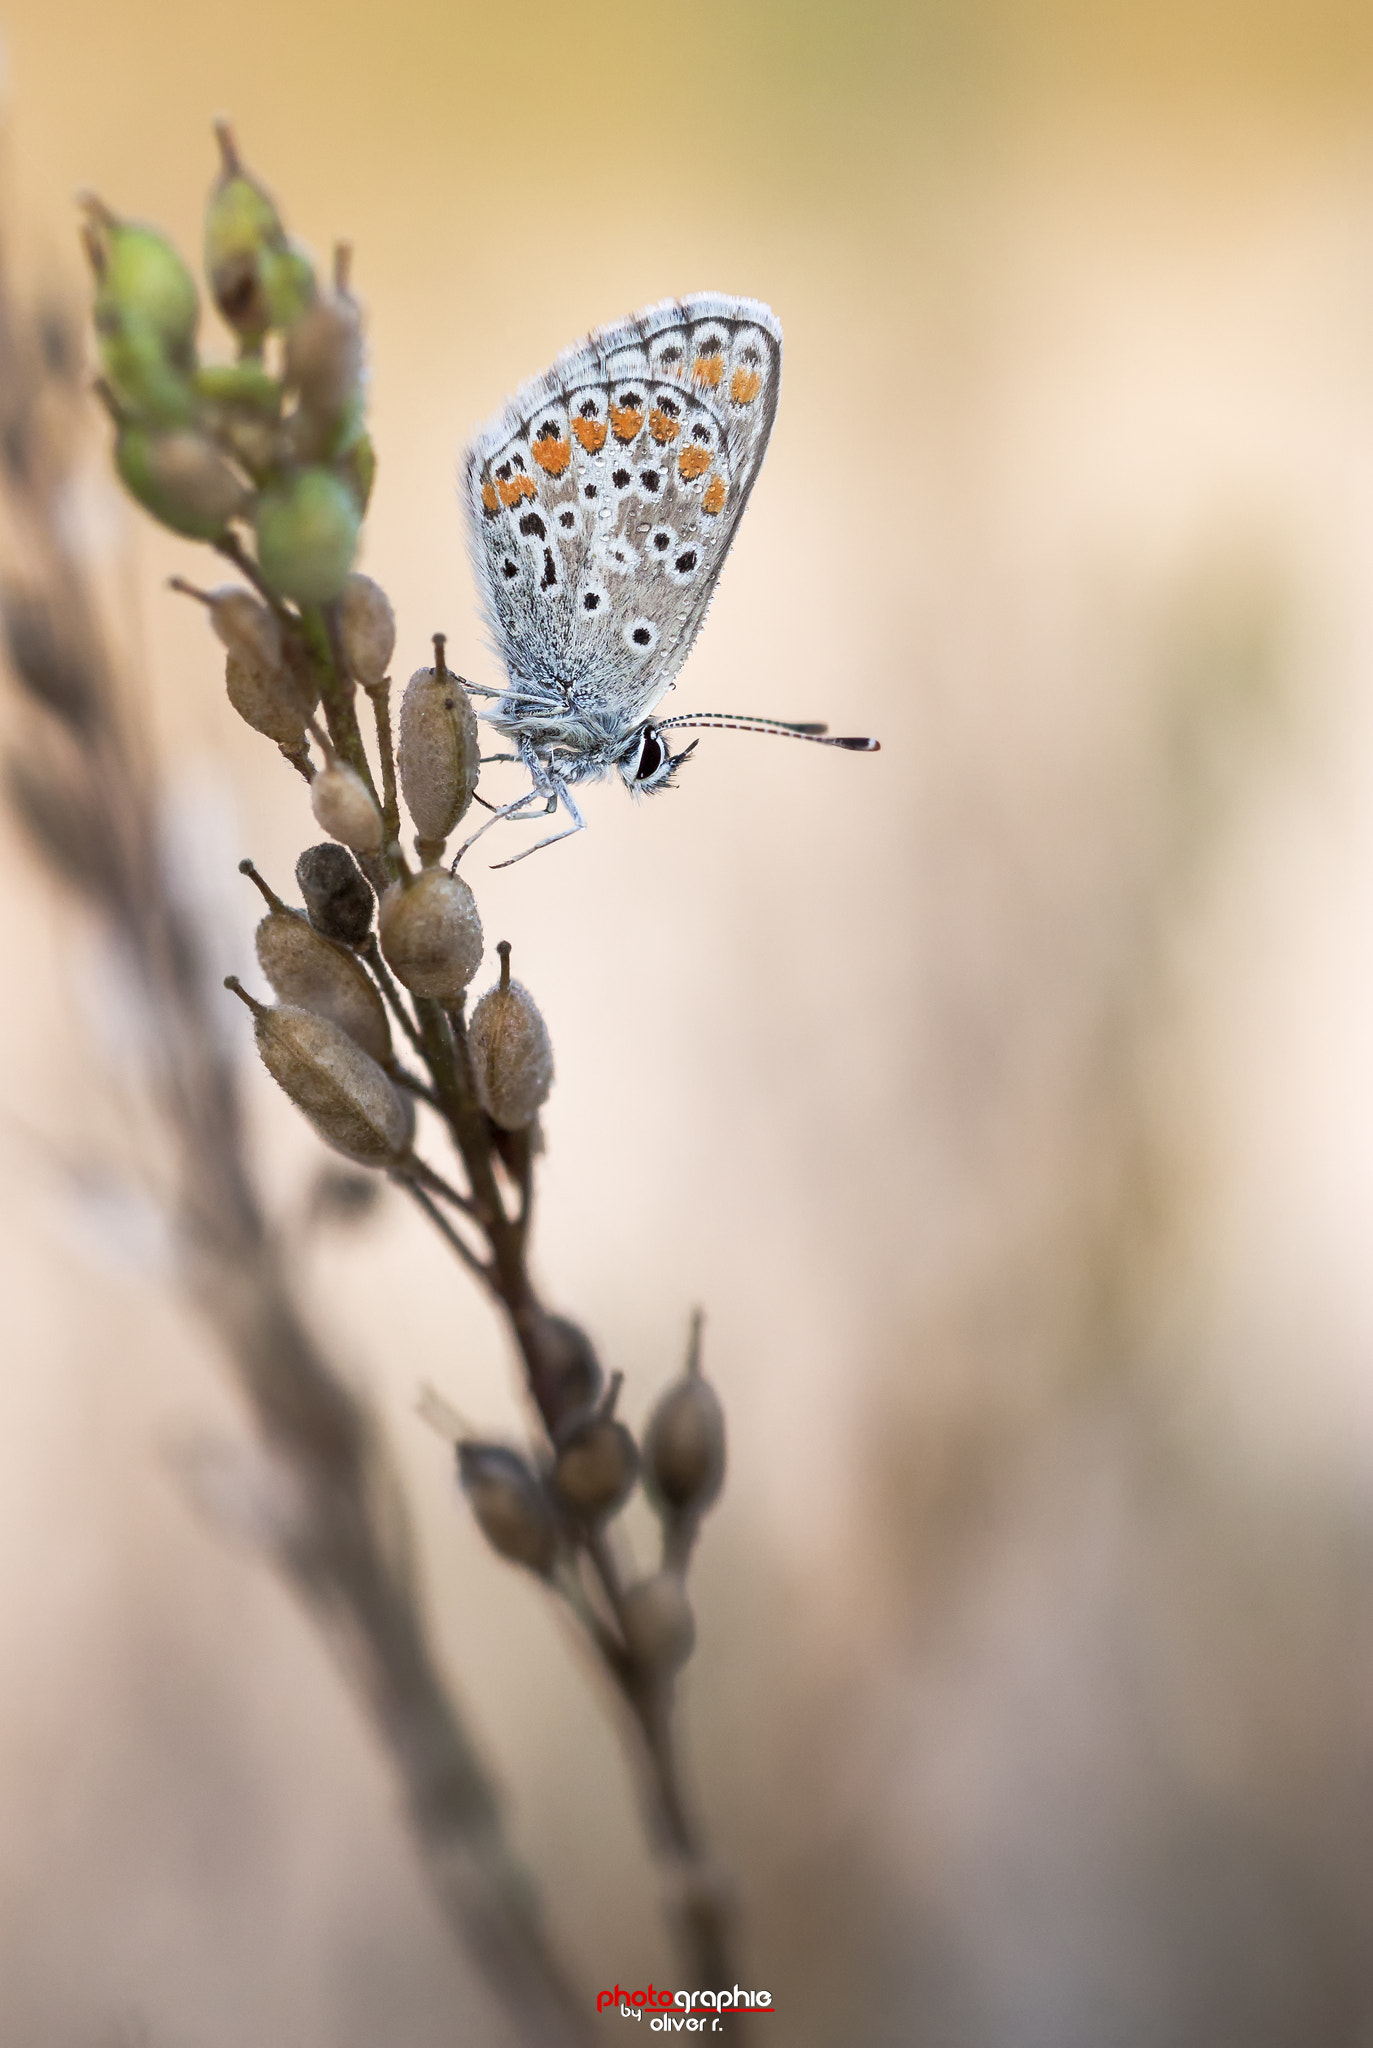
(1004, 1098)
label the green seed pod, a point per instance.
(512, 1059)
(273, 701)
(243, 232)
(368, 626)
(314, 973)
(431, 934)
(342, 804)
(355, 460)
(339, 1087)
(597, 1460)
(338, 896)
(324, 357)
(288, 284)
(148, 385)
(437, 754)
(243, 386)
(660, 1630)
(566, 1376)
(182, 479)
(307, 536)
(511, 1507)
(143, 279)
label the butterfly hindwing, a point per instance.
(604, 498)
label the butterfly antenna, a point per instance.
(731, 721)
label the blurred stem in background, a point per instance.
(81, 781)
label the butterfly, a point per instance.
(602, 501)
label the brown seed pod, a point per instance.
(249, 628)
(684, 1444)
(660, 1630)
(338, 896)
(511, 1507)
(567, 1376)
(597, 1460)
(431, 934)
(368, 626)
(276, 701)
(343, 805)
(324, 356)
(339, 1087)
(512, 1059)
(314, 973)
(437, 753)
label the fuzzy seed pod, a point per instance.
(684, 1447)
(248, 628)
(307, 535)
(597, 1461)
(343, 805)
(368, 626)
(276, 701)
(324, 356)
(314, 973)
(182, 479)
(512, 1059)
(567, 1377)
(437, 755)
(339, 1087)
(338, 897)
(509, 1504)
(660, 1630)
(431, 934)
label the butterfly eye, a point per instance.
(650, 758)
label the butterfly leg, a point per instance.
(560, 791)
(505, 811)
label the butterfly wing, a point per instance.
(603, 499)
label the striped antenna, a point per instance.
(732, 721)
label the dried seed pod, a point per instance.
(437, 753)
(339, 1087)
(343, 805)
(249, 628)
(324, 357)
(567, 1376)
(431, 934)
(510, 1505)
(368, 626)
(660, 1630)
(307, 535)
(512, 1059)
(278, 701)
(338, 896)
(181, 478)
(684, 1444)
(316, 974)
(597, 1460)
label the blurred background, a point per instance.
(1004, 1098)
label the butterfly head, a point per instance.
(646, 762)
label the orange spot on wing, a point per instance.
(552, 454)
(516, 488)
(591, 434)
(626, 420)
(661, 427)
(693, 462)
(708, 370)
(744, 386)
(490, 499)
(715, 494)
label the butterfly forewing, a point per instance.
(604, 498)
